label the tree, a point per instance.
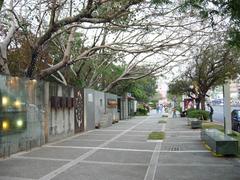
(210, 68)
(47, 21)
(142, 89)
(12, 27)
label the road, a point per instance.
(218, 112)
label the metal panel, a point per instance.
(79, 111)
(89, 109)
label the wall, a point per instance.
(27, 119)
(113, 115)
(99, 107)
(61, 119)
(89, 109)
(21, 114)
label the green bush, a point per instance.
(141, 111)
(197, 113)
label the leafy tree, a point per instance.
(210, 68)
(142, 89)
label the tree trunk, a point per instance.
(197, 100)
(202, 100)
(3, 47)
(3, 59)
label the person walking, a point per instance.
(174, 112)
(210, 112)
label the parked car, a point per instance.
(235, 116)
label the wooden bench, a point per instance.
(219, 142)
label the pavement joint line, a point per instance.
(116, 134)
(115, 163)
(181, 142)
(41, 158)
(198, 136)
(187, 151)
(105, 148)
(126, 149)
(120, 131)
(196, 165)
(15, 178)
(151, 171)
(71, 137)
(86, 155)
(88, 140)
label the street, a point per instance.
(218, 114)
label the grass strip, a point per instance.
(156, 136)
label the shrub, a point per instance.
(141, 111)
(199, 114)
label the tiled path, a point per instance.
(122, 152)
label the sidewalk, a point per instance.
(121, 152)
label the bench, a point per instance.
(219, 142)
(194, 123)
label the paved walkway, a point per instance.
(122, 152)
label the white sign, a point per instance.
(90, 97)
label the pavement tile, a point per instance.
(191, 157)
(182, 147)
(28, 168)
(86, 171)
(79, 143)
(121, 156)
(203, 172)
(132, 138)
(56, 153)
(95, 136)
(132, 145)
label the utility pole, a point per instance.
(227, 108)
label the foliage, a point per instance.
(156, 136)
(142, 89)
(225, 8)
(199, 114)
(179, 87)
(211, 67)
(141, 111)
(211, 125)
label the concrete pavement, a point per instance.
(122, 152)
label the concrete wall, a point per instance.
(29, 110)
(61, 120)
(40, 122)
(112, 112)
(99, 107)
(89, 109)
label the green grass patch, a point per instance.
(162, 121)
(156, 135)
(211, 125)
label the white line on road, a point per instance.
(114, 163)
(41, 158)
(13, 178)
(151, 171)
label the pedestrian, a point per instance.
(174, 112)
(210, 112)
(157, 107)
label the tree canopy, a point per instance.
(210, 68)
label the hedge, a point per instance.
(141, 111)
(197, 113)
